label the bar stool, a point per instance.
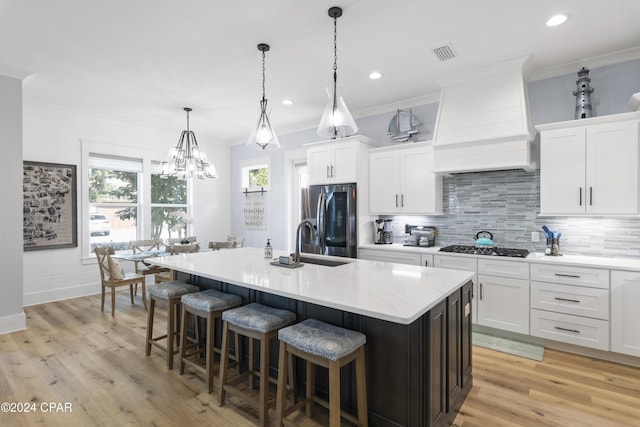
(257, 322)
(209, 305)
(169, 294)
(324, 345)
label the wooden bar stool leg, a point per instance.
(171, 332)
(183, 340)
(310, 368)
(152, 306)
(144, 292)
(264, 380)
(251, 361)
(131, 292)
(281, 398)
(209, 349)
(334, 394)
(224, 362)
(361, 388)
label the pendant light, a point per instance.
(336, 121)
(263, 134)
(185, 159)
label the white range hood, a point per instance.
(483, 121)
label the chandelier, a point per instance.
(336, 120)
(185, 159)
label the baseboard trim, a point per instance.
(43, 297)
(16, 322)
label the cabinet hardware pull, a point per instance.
(426, 263)
(327, 171)
(590, 196)
(568, 275)
(402, 200)
(331, 171)
(567, 299)
(480, 291)
(396, 200)
(568, 330)
(580, 193)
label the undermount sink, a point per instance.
(322, 261)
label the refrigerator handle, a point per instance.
(320, 220)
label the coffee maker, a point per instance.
(384, 235)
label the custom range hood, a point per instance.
(483, 121)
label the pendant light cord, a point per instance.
(335, 70)
(263, 72)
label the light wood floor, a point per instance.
(72, 353)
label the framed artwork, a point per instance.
(50, 219)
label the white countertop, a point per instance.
(394, 292)
(630, 264)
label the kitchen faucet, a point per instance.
(306, 222)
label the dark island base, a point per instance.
(417, 374)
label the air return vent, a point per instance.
(444, 53)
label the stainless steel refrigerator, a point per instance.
(332, 210)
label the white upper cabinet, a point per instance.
(590, 166)
(401, 180)
(336, 161)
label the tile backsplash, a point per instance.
(507, 204)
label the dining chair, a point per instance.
(174, 249)
(141, 246)
(177, 240)
(112, 276)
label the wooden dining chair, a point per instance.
(174, 249)
(112, 276)
(141, 267)
(177, 240)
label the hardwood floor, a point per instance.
(73, 354)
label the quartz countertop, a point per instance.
(618, 263)
(394, 292)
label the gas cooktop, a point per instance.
(494, 251)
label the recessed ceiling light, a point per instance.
(287, 102)
(557, 19)
(375, 75)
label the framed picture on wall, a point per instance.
(50, 218)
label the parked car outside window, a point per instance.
(99, 225)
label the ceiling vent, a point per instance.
(444, 53)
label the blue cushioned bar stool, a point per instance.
(257, 322)
(332, 347)
(169, 294)
(207, 305)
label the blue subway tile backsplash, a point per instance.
(507, 204)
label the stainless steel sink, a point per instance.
(322, 261)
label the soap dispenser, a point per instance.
(268, 249)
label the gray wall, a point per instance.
(11, 313)
(504, 202)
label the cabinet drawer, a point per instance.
(513, 269)
(455, 263)
(390, 256)
(577, 300)
(570, 329)
(590, 277)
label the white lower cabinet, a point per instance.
(625, 312)
(503, 303)
(570, 329)
(464, 264)
(399, 257)
(570, 304)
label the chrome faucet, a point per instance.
(306, 222)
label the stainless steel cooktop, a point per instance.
(493, 251)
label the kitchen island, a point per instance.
(416, 319)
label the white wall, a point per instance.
(12, 316)
(53, 134)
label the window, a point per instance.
(169, 213)
(113, 200)
(255, 174)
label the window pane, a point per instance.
(259, 177)
(169, 190)
(115, 226)
(111, 186)
(167, 223)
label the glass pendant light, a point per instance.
(185, 159)
(336, 121)
(263, 134)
